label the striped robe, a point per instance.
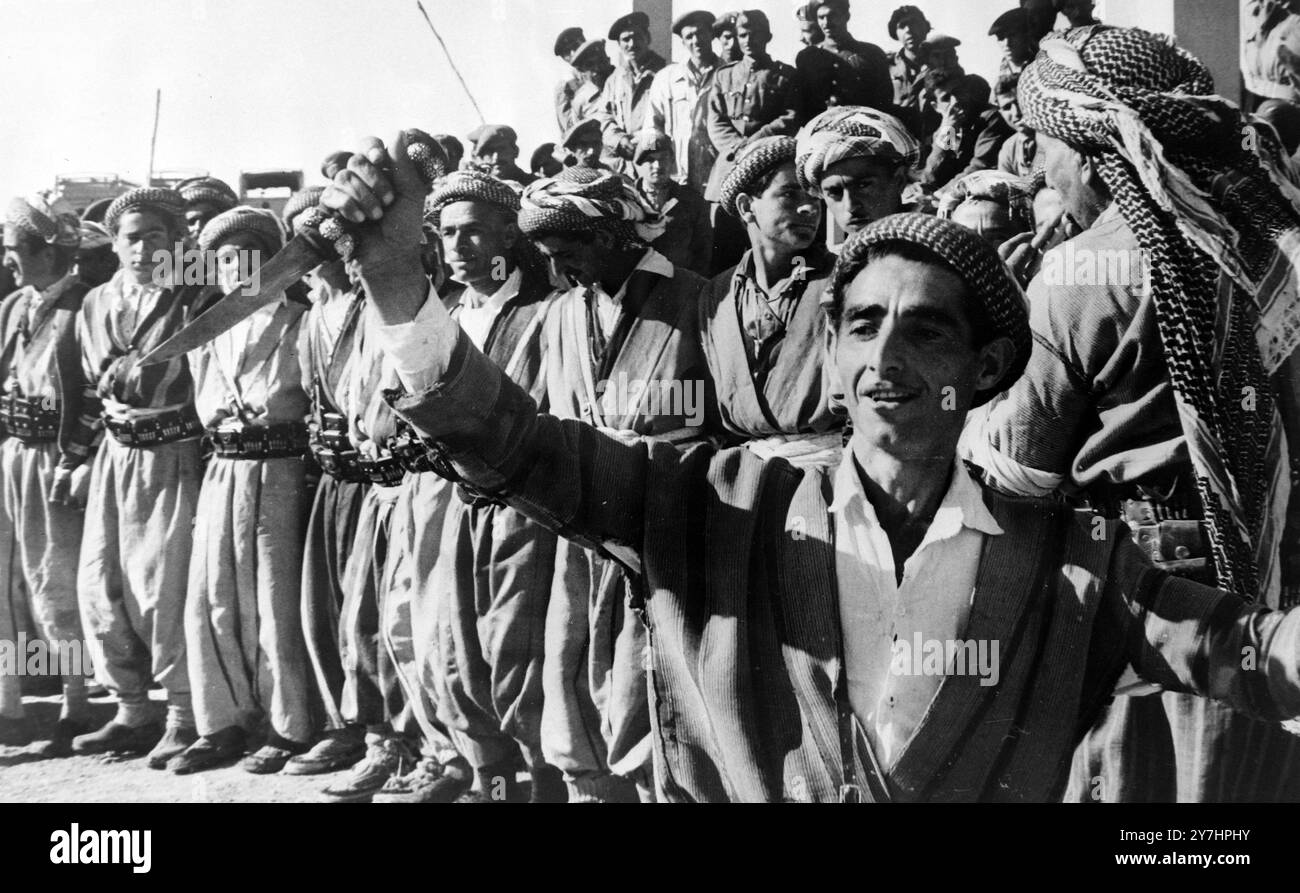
(737, 559)
(332, 526)
(595, 720)
(38, 570)
(135, 548)
(491, 583)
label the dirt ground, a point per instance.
(26, 777)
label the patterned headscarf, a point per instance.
(208, 189)
(46, 217)
(1223, 244)
(852, 131)
(1015, 193)
(581, 199)
(259, 222)
(471, 186)
(753, 162)
(988, 281)
(300, 201)
(167, 202)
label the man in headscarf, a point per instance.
(96, 262)
(1165, 379)
(679, 99)
(243, 626)
(144, 482)
(842, 70)
(43, 459)
(626, 326)
(859, 161)
(751, 99)
(761, 322)
(327, 349)
(778, 597)
(683, 233)
(626, 98)
(205, 198)
(909, 26)
(480, 589)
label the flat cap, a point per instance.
(633, 21)
(568, 41)
(487, 134)
(648, 142)
(585, 129)
(1010, 21)
(700, 18)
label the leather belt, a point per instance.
(31, 421)
(333, 450)
(166, 427)
(386, 472)
(278, 441)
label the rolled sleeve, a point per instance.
(414, 347)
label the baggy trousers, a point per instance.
(243, 627)
(134, 568)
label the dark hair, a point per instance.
(906, 14)
(1007, 84)
(850, 264)
(764, 180)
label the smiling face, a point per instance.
(143, 241)
(476, 239)
(859, 191)
(904, 356)
(784, 215)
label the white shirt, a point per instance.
(932, 601)
(478, 311)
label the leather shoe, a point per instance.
(173, 743)
(339, 749)
(61, 744)
(430, 781)
(209, 751)
(271, 756)
(116, 737)
(384, 759)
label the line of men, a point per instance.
(475, 591)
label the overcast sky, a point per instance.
(280, 83)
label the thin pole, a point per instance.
(153, 141)
(451, 62)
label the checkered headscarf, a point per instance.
(45, 216)
(1223, 245)
(470, 186)
(988, 281)
(167, 202)
(300, 201)
(582, 199)
(208, 189)
(261, 223)
(753, 162)
(852, 131)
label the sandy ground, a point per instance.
(27, 777)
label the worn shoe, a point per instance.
(384, 759)
(116, 737)
(65, 730)
(271, 757)
(339, 749)
(209, 751)
(15, 732)
(547, 785)
(174, 742)
(429, 782)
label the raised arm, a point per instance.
(567, 475)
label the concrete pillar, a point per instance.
(661, 24)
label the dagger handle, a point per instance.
(328, 233)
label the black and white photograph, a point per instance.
(573, 401)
